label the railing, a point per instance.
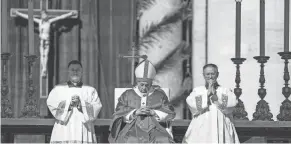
(176, 122)
(266, 130)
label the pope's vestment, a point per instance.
(142, 129)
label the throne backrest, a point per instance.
(119, 91)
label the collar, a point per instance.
(143, 94)
(216, 85)
(78, 85)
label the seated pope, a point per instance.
(143, 112)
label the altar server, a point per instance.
(75, 106)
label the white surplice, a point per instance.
(73, 126)
(215, 123)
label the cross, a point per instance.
(133, 56)
(43, 7)
(44, 17)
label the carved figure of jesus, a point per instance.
(44, 24)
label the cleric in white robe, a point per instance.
(75, 107)
(212, 107)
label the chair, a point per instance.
(119, 91)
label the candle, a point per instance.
(286, 25)
(262, 27)
(238, 30)
(4, 32)
(1, 26)
(30, 28)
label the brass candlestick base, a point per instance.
(285, 108)
(262, 109)
(239, 112)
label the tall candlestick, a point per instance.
(284, 114)
(1, 27)
(238, 30)
(30, 28)
(262, 27)
(286, 25)
(4, 30)
(262, 109)
(133, 20)
(239, 112)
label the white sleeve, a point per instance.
(160, 115)
(191, 101)
(128, 118)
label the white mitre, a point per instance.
(145, 71)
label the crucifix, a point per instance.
(134, 37)
(133, 58)
(44, 17)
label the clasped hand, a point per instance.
(211, 92)
(75, 101)
(144, 111)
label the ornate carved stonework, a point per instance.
(6, 108)
(263, 111)
(239, 112)
(285, 111)
(30, 109)
(262, 108)
(285, 108)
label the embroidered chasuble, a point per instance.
(141, 129)
(211, 123)
(73, 125)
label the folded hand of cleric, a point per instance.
(75, 102)
(144, 111)
(212, 92)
